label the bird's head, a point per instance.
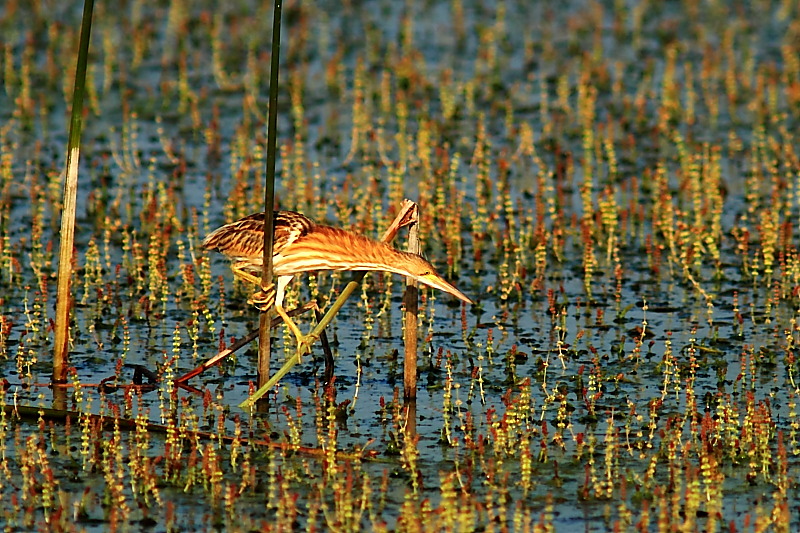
(422, 271)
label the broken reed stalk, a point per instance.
(406, 216)
(410, 334)
(269, 195)
(64, 293)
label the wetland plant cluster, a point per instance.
(616, 184)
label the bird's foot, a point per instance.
(304, 345)
(263, 300)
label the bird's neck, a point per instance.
(329, 248)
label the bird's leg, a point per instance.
(262, 300)
(290, 323)
(280, 291)
(240, 272)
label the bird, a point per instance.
(301, 245)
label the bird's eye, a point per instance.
(427, 272)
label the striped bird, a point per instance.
(300, 246)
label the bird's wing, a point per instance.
(289, 226)
(244, 239)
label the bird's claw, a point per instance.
(263, 300)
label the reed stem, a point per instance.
(269, 195)
(64, 294)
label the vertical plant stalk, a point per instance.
(410, 333)
(64, 294)
(406, 216)
(269, 195)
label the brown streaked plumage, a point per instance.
(300, 245)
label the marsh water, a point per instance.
(615, 184)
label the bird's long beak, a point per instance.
(437, 282)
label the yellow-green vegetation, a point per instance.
(616, 184)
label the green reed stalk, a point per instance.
(64, 295)
(269, 194)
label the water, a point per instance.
(630, 358)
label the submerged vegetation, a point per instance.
(616, 185)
